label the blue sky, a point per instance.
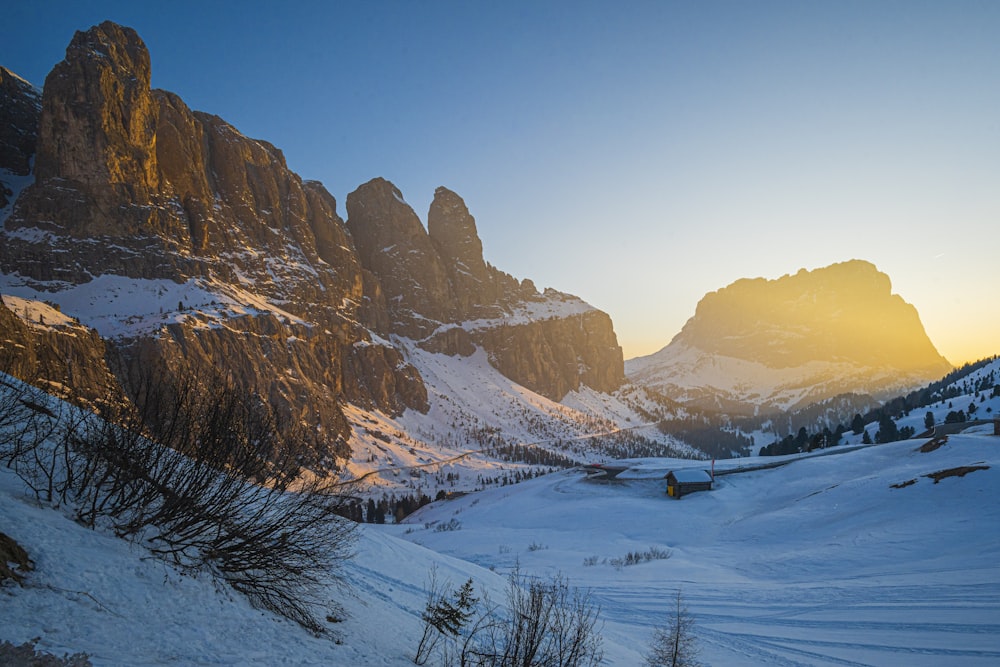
(636, 154)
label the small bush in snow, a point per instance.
(453, 524)
(674, 644)
(637, 557)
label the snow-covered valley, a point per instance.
(820, 562)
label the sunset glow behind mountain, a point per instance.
(639, 156)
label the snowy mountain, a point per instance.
(876, 555)
(186, 244)
(760, 346)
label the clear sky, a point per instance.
(637, 154)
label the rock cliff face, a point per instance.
(442, 293)
(59, 355)
(20, 106)
(294, 302)
(797, 339)
(556, 356)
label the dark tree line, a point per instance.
(886, 415)
(707, 436)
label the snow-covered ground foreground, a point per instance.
(820, 562)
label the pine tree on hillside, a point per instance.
(857, 424)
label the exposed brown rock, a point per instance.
(14, 561)
(393, 245)
(98, 125)
(452, 341)
(69, 361)
(452, 230)
(556, 356)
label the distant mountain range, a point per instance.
(136, 230)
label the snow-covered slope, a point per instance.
(831, 560)
(820, 562)
(476, 416)
(690, 375)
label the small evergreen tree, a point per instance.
(887, 431)
(443, 614)
(929, 420)
(857, 424)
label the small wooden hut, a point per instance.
(688, 480)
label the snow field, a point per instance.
(820, 562)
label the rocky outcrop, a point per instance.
(20, 107)
(393, 245)
(844, 312)
(305, 374)
(795, 340)
(98, 124)
(452, 230)
(440, 291)
(65, 359)
(129, 181)
(558, 355)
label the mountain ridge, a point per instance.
(799, 338)
(245, 266)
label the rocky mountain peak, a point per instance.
(797, 338)
(98, 102)
(394, 246)
(843, 312)
(453, 230)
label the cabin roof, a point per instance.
(691, 475)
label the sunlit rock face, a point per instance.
(393, 244)
(290, 301)
(789, 342)
(440, 292)
(130, 182)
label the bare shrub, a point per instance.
(674, 644)
(639, 557)
(207, 478)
